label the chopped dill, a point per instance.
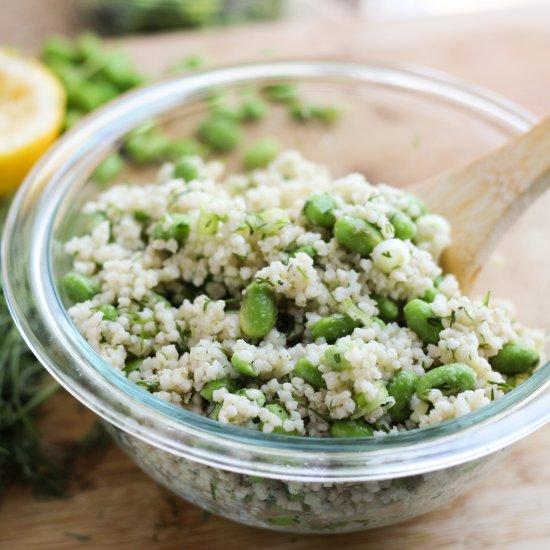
(149, 385)
(433, 321)
(24, 386)
(504, 386)
(261, 280)
(451, 318)
(176, 197)
(185, 334)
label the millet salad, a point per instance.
(289, 302)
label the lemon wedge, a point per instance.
(32, 104)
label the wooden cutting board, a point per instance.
(114, 505)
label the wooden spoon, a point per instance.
(483, 199)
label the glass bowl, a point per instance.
(399, 125)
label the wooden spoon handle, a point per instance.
(484, 198)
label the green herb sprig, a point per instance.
(25, 459)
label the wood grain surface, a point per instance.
(113, 505)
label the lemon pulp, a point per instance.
(32, 103)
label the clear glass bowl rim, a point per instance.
(27, 268)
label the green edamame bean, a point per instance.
(89, 95)
(515, 359)
(259, 398)
(258, 313)
(416, 207)
(70, 76)
(252, 110)
(185, 147)
(403, 226)
(132, 365)
(281, 93)
(350, 428)
(260, 154)
(357, 235)
(402, 387)
(242, 367)
(172, 226)
(430, 295)
(58, 47)
(282, 413)
(450, 379)
(109, 312)
(118, 69)
(319, 210)
(421, 319)
(147, 147)
(333, 327)
(365, 404)
(388, 310)
(88, 45)
(220, 133)
(80, 288)
(326, 114)
(207, 391)
(306, 370)
(108, 169)
(227, 111)
(334, 357)
(187, 168)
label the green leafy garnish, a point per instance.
(25, 459)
